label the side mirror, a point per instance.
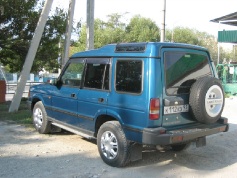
(52, 81)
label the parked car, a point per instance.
(133, 94)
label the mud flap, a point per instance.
(201, 141)
(136, 152)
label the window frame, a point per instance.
(106, 62)
(82, 61)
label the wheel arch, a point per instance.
(109, 116)
(34, 101)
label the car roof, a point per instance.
(142, 49)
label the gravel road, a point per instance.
(25, 153)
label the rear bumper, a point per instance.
(156, 136)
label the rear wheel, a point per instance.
(207, 99)
(40, 120)
(112, 144)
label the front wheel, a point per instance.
(112, 144)
(40, 119)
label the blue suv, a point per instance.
(133, 94)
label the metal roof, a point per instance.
(230, 19)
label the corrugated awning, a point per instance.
(227, 36)
(230, 19)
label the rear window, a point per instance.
(183, 69)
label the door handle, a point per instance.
(73, 95)
(101, 100)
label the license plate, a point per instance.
(176, 109)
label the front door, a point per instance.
(65, 95)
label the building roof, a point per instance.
(230, 19)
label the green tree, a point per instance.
(105, 32)
(210, 42)
(182, 35)
(195, 37)
(114, 30)
(17, 28)
(142, 29)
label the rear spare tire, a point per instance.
(207, 100)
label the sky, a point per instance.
(185, 13)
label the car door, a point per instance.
(65, 95)
(181, 68)
(92, 98)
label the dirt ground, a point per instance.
(25, 153)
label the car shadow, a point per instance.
(218, 153)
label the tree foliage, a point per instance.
(17, 28)
(114, 30)
(142, 29)
(195, 37)
(20, 18)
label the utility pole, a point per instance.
(68, 32)
(162, 30)
(90, 25)
(30, 56)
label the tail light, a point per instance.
(154, 112)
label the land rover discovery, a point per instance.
(133, 94)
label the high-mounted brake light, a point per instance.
(154, 112)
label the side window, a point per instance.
(129, 76)
(97, 76)
(73, 74)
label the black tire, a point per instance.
(207, 100)
(112, 144)
(180, 147)
(40, 120)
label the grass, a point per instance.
(22, 116)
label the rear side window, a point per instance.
(129, 76)
(183, 69)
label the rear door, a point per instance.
(181, 68)
(94, 93)
(128, 98)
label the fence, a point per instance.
(11, 87)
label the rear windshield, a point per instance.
(183, 69)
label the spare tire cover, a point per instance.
(207, 100)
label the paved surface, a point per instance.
(25, 153)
